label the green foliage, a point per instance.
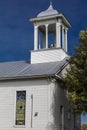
(76, 78)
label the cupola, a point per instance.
(49, 23)
(47, 12)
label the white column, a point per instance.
(63, 37)
(55, 39)
(46, 35)
(66, 48)
(35, 37)
(58, 34)
(39, 39)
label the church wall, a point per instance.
(48, 99)
(60, 119)
(39, 90)
(74, 119)
(61, 108)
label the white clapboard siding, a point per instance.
(39, 90)
(50, 55)
(48, 96)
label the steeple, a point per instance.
(50, 22)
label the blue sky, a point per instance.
(84, 119)
(16, 32)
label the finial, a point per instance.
(51, 2)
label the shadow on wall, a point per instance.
(58, 104)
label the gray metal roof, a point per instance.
(49, 11)
(25, 69)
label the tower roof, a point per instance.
(47, 12)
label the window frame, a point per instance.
(15, 105)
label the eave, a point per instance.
(57, 16)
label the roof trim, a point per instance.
(48, 17)
(61, 68)
(26, 77)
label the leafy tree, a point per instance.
(76, 78)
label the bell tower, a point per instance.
(49, 22)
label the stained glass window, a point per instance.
(20, 107)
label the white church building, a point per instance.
(32, 94)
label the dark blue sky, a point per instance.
(16, 32)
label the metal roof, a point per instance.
(49, 11)
(25, 69)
